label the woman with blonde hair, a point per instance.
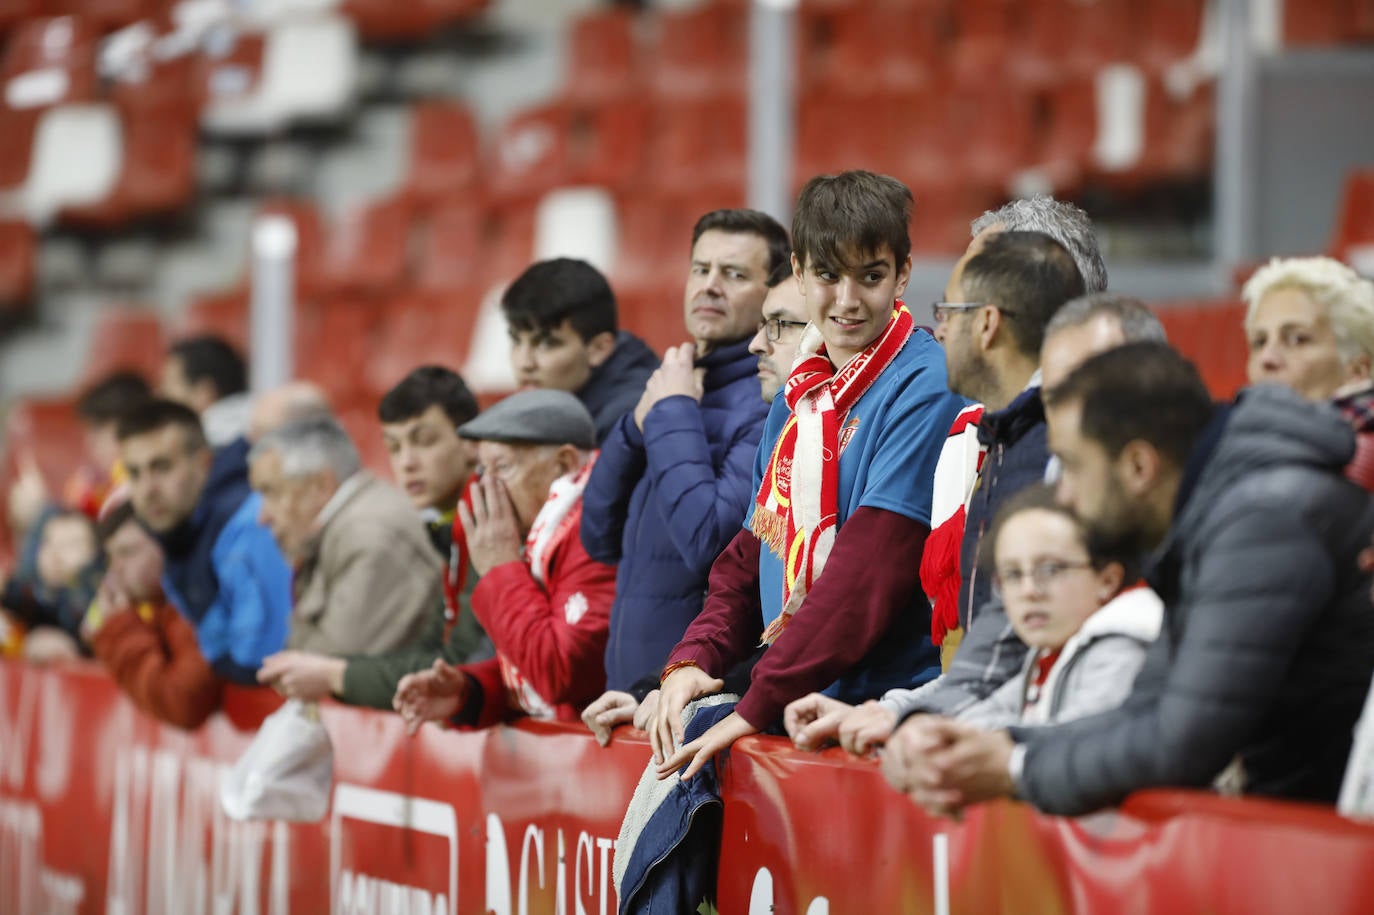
(1310, 325)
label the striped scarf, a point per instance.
(797, 505)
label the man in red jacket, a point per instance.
(544, 602)
(147, 646)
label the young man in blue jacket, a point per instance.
(223, 571)
(564, 337)
(672, 484)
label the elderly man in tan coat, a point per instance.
(366, 577)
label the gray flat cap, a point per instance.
(539, 417)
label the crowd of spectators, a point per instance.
(1020, 553)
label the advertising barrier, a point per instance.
(104, 810)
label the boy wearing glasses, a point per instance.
(824, 573)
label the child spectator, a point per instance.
(51, 604)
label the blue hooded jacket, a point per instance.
(224, 573)
(617, 384)
(664, 504)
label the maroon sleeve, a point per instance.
(731, 622)
(865, 584)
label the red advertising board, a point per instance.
(104, 810)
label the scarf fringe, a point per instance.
(771, 529)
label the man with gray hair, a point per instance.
(1062, 221)
(366, 577)
(990, 652)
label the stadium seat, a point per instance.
(1211, 335)
(444, 155)
(18, 248)
(607, 145)
(509, 245)
(853, 48)
(1353, 240)
(1168, 31)
(701, 51)
(332, 341)
(1068, 39)
(830, 138)
(984, 36)
(50, 62)
(451, 246)
(308, 69)
(108, 15)
(157, 175)
(367, 248)
(604, 59)
(530, 154)
(387, 21)
(174, 88)
(991, 133)
(18, 129)
(125, 337)
(360, 421)
(576, 222)
(1319, 23)
(76, 159)
(642, 245)
(13, 12)
(422, 328)
(699, 146)
(655, 313)
(224, 314)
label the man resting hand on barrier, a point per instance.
(543, 601)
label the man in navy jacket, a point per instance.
(223, 571)
(673, 481)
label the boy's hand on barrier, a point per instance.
(644, 715)
(682, 686)
(720, 736)
(814, 719)
(867, 728)
(303, 675)
(436, 694)
(613, 708)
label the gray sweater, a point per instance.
(1267, 647)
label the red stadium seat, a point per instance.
(831, 138)
(607, 145)
(451, 246)
(125, 338)
(655, 314)
(1211, 334)
(332, 342)
(385, 21)
(224, 314)
(18, 129)
(18, 248)
(1353, 240)
(108, 15)
(530, 155)
(510, 246)
(642, 257)
(992, 133)
(1167, 30)
(1319, 23)
(984, 36)
(157, 176)
(859, 48)
(13, 12)
(365, 429)
(699, 146)
(171, 88)
(50, 62)
(701, 51)
(1064, 39)
(604, 59)
(368, 248)
(444, 156)
(422, 328)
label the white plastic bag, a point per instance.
(286, 772)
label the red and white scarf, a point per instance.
(558, 520)
(798, 503)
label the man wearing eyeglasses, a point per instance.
(672, 483)
(784, 318)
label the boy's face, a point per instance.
(66, 547)
(1048, 584)
(851, 304)
(428, 459)
(557, 358)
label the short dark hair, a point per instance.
(155, 414)
(1039, 497)
(113, 520)
(854, 213)
(1139, 391)
(211, 357)
(751, 222)
(1029, 273)
(563, 289)
(425, 387)
(107, 399)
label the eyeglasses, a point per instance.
(943, 311)
(772, 328)
(1042, 575)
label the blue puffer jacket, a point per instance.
(224, 573)
(1016, 458)
(665, 503)
(616, 385)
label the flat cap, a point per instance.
(540, 417)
